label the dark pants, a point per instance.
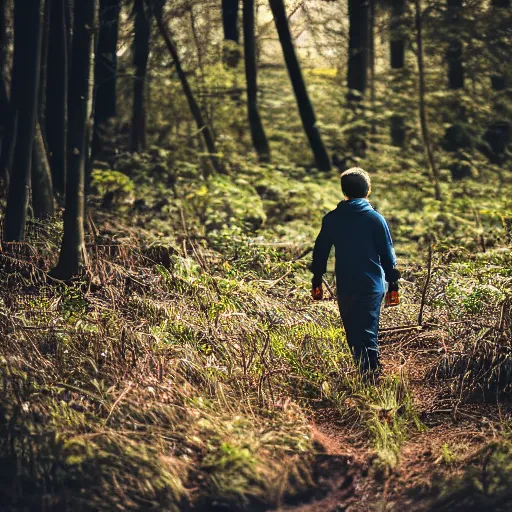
(360, 317)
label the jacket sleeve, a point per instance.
(321, 252)
(386, 250)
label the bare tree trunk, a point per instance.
(42, 188)
(231, 32)
(105, 69)
(259, 139)
(28, 19)
(454, 52)
(194, 107)
(142, 22)
(371, 57)
(498, 134)
(73, 254)
(8, 146)
(499, 81)
(397, 34)
(397, 59)
(5, 113)
(423, 115)
(106, 61)
(357, 75)
(43, 80)
(41, 180)
(357, 72)
(57, 94)
(306, 110)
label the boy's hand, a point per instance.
(317, 292)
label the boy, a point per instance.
(364, 250)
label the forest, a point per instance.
(165, 166)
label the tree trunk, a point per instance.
(194, 107)
(498, 134)
(28, 19)
(306, 110)
(4, 97)
(43, 80)
(73, 253)
(397, 59)
(259, 139)
(371, 57)
(42, 189)
(57, 94)
(105, 70)
(8, 146)
(454, 51)
(423, 114)
(397, 35)
(69, 9)
(106, 61)
(499, 82)
(231, 33)
(358, 13)
(140, 61)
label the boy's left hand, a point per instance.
(317, 292)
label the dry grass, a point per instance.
(149, 386)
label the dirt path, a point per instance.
(452, 432)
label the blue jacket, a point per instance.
(363, 245)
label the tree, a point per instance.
(42, 188)
(498, 134)
(4, 97)
(105, 68)
(142, 28)
(57, 94)
(202, 127)
(259, 139)
(41, 180)
(231, 31)
(499, 81)
(73, 253)
(397, 60)
(454, 51)
(358, 14)
(357, 72)
(28, 19)
(306, 110)
(371, 57)
(397, 35)
(423, 114)
(43, 79)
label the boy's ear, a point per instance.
(369, 191)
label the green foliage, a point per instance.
(222, 202)
(114, 182)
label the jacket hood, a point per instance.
(354, 205)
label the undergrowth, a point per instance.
(182, 368)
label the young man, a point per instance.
(364, 251)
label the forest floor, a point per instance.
(189, 369)
(452, 434)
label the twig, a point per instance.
(401, 328)
(425, 287)
(304, 253)
(328, 288)
(119, 398)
